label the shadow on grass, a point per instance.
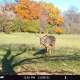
(8, 59)
(63, 57)
(40, 52)
(7, 66)
(48, 58)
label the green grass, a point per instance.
(65, 59)
(63, 40)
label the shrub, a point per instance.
(58, 30)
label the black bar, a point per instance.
(40, 77)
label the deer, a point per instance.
(48, 42)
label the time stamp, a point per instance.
(39, 77)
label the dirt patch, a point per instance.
(34, 73)
(44, 73)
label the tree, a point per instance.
(72, 21)
(6, 20)
(55, 17)
(43, 20)
(27, 9)
(32, 11)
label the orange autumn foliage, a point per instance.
(27, 9)
(54, 15)
(58, 30)
(58, 20)
(31, 10)
(22, 9)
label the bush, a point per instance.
(58, 30)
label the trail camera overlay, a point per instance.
(39, 37)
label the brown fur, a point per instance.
(48, 42)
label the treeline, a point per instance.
(29, 16)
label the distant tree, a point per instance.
(6, 20)
(72, 21)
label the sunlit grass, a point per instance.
(64, 40)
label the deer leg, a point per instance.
(50, 51)
(47, 51)
(53, 49)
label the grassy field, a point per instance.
(63, 40)
(21, 52)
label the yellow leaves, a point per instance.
(54, 14)
(59, 20)
(53, 10)
(58, 30)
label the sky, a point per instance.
(61, 4)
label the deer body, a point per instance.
(48, 42)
